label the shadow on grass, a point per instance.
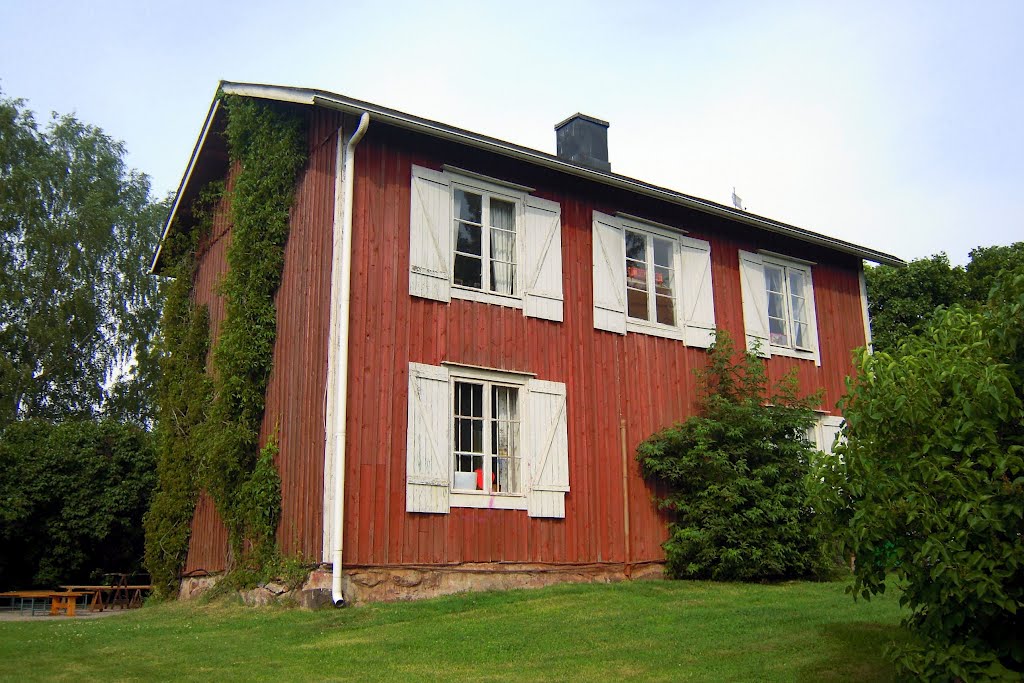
(855, 652)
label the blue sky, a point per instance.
(896, 125)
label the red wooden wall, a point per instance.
(647, 381)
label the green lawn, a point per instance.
(648, 630)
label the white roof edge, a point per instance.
(352, 106)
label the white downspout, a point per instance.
(338, 377)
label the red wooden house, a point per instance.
(474, 336)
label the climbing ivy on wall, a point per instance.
(209, 425)
(183, 399)
(268, 144)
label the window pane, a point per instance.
(776, 305)
(503, 250)
(636, 246)
(777, 331)
(503, 214)
(773, 278)
(468, 271)
(468, 240)
(662, 252)
(467, 206)
(796, 283)
(799, 309)
(666, 310)
(636, 304)
(801, 336)
(636, 274)
(663, 281)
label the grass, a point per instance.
(651, 631)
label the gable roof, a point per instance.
(308, 96)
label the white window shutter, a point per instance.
(547, 457)
(697, 295)
(542, 241)
(430, 235)
(427, 470)
(831, 426)
(609, 274)
(755, 302)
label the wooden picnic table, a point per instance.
(123, 595)
(59, 600)
(30, 596)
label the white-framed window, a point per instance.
(485, 438)
(652, 279)
(481, 239)
(486, 443)
(778, 305)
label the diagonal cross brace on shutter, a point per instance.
(442, 255)
(604, 252)
(548, 441)
(543, 255)
(432, 481)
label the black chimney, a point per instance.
(583, 140)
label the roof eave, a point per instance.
(308, 96)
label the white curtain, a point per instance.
(503, 247)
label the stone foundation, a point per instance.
(406, 582)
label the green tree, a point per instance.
(902, 300)
(935, 486)
(72, 498)
(736, 476)
(983, 270)
(77, 303)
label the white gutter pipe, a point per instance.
(339, 378)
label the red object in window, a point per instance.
(636, 272)
(480, 479)
(659, 279)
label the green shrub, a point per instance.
(736, 476)
(935, 466)
(72, 498)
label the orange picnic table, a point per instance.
(59, 600)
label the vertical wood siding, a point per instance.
(648, 381)
(298, 381)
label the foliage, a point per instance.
(183, 405)
(630, 631)
(935, 465)
(77, 304)
(983, 270)
(269, 146)
(209, 427)
(902, 300)
(736, 475)
(72, 498)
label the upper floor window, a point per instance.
(778, 305)
(482, 239)
(652, 279)
(485, 242)
(787, 288)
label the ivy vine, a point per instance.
(210, 426)
(184, 393)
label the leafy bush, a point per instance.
(736, 476)
(935, 490)
(72, 498)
